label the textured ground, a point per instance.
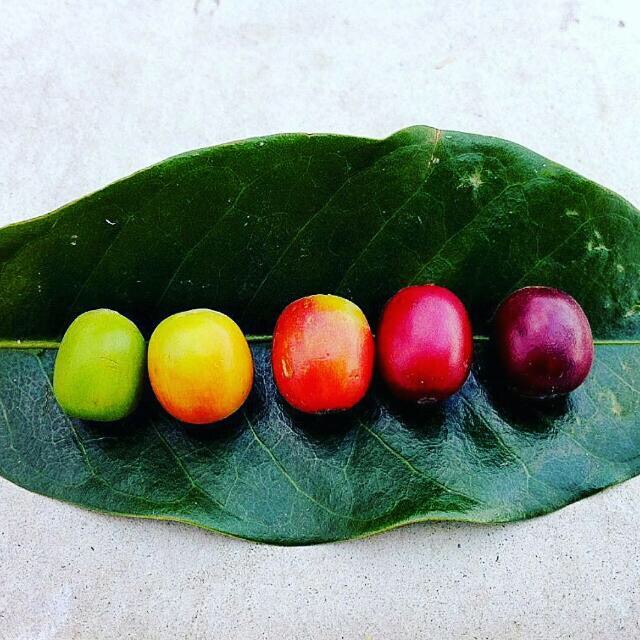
(92, 91)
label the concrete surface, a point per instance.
(90, 91)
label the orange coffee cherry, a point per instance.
(323, 354)
(200, 366)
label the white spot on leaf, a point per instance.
(473, 180)
(614, 404)
(633, 311)
(598, 246)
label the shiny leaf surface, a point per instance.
(247, 227)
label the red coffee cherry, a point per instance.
(425, 343)
(323, 354)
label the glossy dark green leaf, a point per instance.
(247, 227)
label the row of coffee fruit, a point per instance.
(323, 353)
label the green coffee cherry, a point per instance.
(100, 366)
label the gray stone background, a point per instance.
(93, 90)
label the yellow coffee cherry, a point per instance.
(200, 366)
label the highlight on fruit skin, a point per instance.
(323, 354)
(425, 344)
(99, 368)
(200, 366)
(544, 343)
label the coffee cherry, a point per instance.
(544, 342)
(425, 344)
(323, 354)
(99, 368)
(200, 366)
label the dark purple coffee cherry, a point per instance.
(544, 342)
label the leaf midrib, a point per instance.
(55, 344)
